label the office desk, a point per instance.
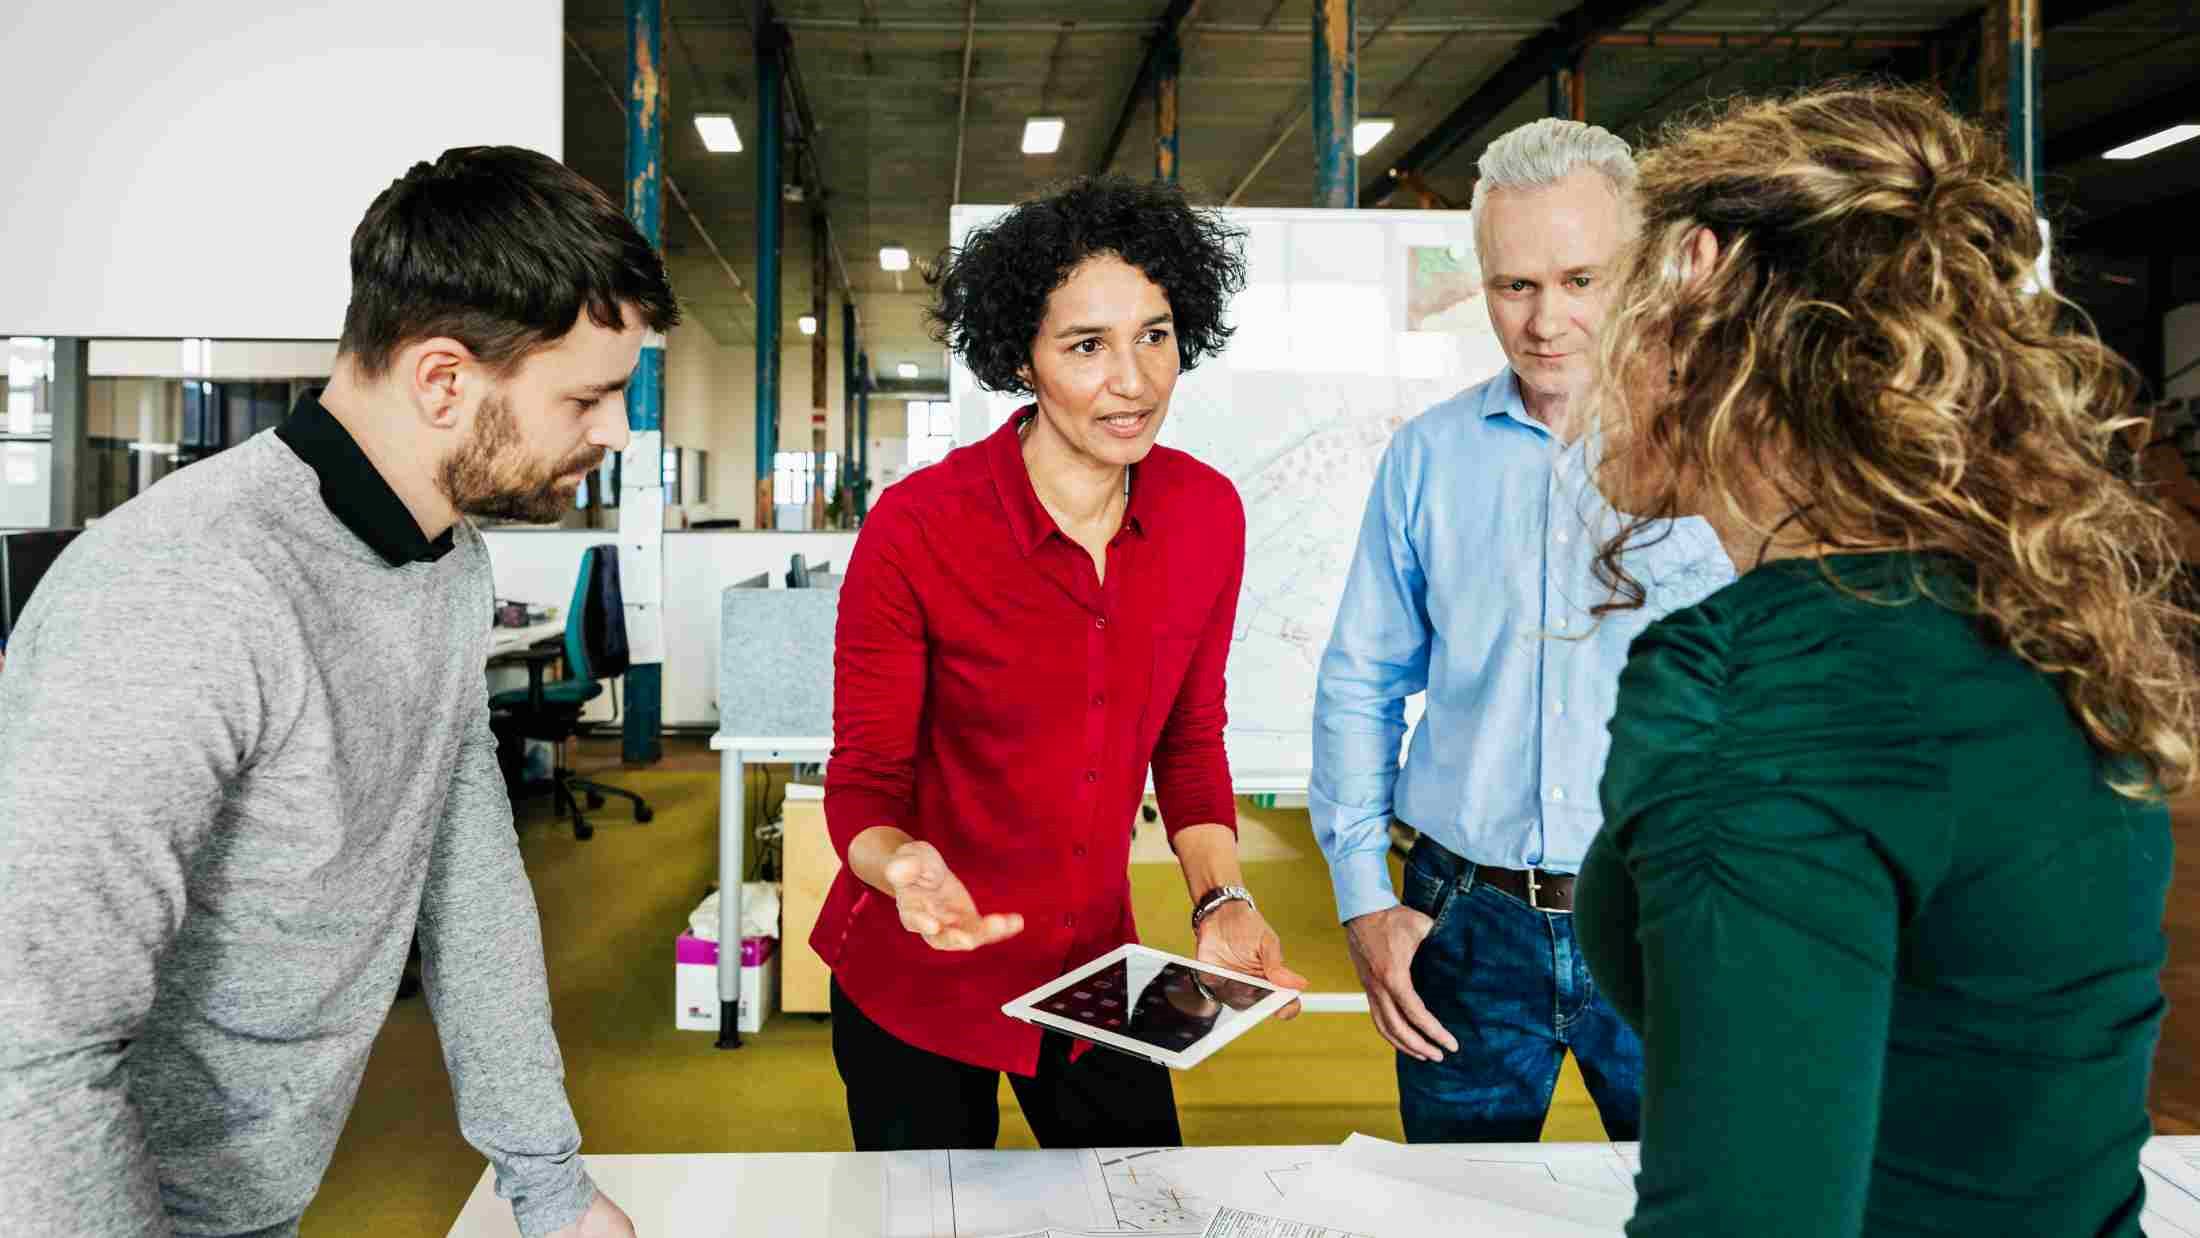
(734, 754)
(995, 1194)
(503, 642)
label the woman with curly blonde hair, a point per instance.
(1884, 859)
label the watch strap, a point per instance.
(1215, 898)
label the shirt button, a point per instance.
(1558, 710)
(1069, 921)
(1564, 537)
(1100, 622)
(1558, 794)
(1099, 699)
(1077, 851)
(1092, 775)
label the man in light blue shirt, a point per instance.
(1474, 583)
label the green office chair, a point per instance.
(594, 649)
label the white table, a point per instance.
(904, 1195)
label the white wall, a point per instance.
(539, 567)
(198, 169)
(710, 402)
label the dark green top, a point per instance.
(1890, 939)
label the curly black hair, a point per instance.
(990, 295)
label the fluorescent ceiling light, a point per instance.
(808, 323)
(1370, 131)
(893, 258)
(907, 369)
(1042, 135)
(719, 135)
(2148, 145)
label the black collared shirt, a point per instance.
(353, 489)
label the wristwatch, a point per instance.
(1217, 897)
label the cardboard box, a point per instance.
(695, 983)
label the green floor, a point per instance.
(610, 909)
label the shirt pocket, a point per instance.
(1172, 658)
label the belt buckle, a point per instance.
(1535, 889)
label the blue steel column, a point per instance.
(847, 414)
(770, 136)
(863, 436)
(1336, 103)
(645, 399)
(1168, 69)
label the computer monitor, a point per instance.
(24, 560)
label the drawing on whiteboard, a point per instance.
(1444, 289)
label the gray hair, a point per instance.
(1545, 152)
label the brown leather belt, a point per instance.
(1553, 892)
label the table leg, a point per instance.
(732, 830)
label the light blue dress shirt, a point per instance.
(1473, 582)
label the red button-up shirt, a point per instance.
(995, 698)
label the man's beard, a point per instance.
(491, 475)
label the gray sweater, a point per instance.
(243, 757)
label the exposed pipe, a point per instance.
(962, 106)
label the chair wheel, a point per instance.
(594, 800)
(583, 831)
(643, 814)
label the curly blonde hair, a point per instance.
(1871, 364)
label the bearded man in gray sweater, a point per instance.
(212, 859)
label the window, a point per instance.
(931, 431)
(702, 476)
(794, 475)
(30, 386)
(672, 476)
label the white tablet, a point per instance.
(1148, 1004)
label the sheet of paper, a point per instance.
(641, 567)
(1608, 1168)
(1500, 1183)
(2173, 1193)
(1235, 1223)
(1355, 1202)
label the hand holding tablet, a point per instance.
(1237, 938)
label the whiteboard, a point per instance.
(197, 170)
(1351, 324)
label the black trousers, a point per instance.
(902, 1098)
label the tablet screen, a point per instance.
(1153, 1001)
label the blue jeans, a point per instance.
(1510, 984)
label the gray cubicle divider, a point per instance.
(775, 662)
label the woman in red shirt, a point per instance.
(1025, 628)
